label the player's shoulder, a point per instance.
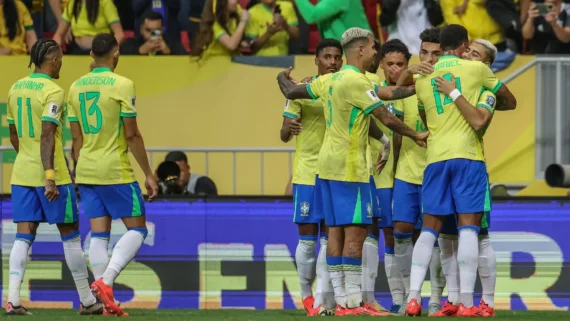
(256, 9)
(285, 5)
(373, 78)
(20, 6)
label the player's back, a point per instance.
(31, 100)
(451, 136)
(99, 101)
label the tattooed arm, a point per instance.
(290, 89)
(505, 99)
(395, 92)
(47, 147)
(398, 126)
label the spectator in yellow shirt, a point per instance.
(17, 35)
(271, 25)
(473, 15)
(88, 18)
(222, 28)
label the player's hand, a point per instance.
(51, 192)
(444, 86)
(151, 187)
(423, 68)
(395, 72)
(295, 127)
(307, 80)
(421, 139)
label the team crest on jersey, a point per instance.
(305, 208)
(369, 210)
(287, 102)
(53, 109)
(491, 101)
(372, 95)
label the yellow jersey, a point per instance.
(450, 135)
(261, 15)
(31, 101)
(487, 100)
(412, 158)
(98, 101)
(25, 23)
(309, 142)
(475, 19)
(349, 98)
(81, 26)
(215, 48)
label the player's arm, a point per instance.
(291, 121)
(291, 90)
(478, 118)
(396, 92)
(76, 133)
(375, 132)
(51, 119)
(505, 99)
(407, 76)
(13, 132)
(397, 141)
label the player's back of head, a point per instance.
(327, 43)
(40, 50)
(103, 45)
(354, 36)
(430, 35)
(395, 45)
(452, 37)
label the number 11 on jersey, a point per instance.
(437, 95)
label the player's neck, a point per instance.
(102, 65)
(40, 71)
(450, 53)
(357, 64)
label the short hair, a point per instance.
(353, 35)
(103, 44)
(153, 16)
(327, 43)
(396, 45)
(176, 156)
(377, 46)
(490, 48)
(40, 50)
(430, 35)
(452, 37)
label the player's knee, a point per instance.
(403, 227)
(27, 228)
(142, 231)
(308, 229)
(353, 248)
(68, 229)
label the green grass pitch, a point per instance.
(255, 315)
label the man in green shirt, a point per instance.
(333, 17)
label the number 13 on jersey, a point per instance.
(91, 99)
(446, 99)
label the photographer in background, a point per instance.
(151, 40)
(548, 27)
(191, 182)
(168, 174)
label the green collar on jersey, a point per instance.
(346, 67)
(101, 69)
(267, 8)
(447, 57)
(39, 75)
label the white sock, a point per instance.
(487, 269)
(99, 253)
(18, 261)
(306, 264)
(327, 297)
(393, 275)
(124, 251)
(336, 274)
(448, 246)
(370, 261)
(468, 261)
(420, 262)
(404, 247)
(437, 279)
(322, 272)
(75, 259)
(353, 273)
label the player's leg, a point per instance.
(324, 299)
(487, 269)
(472, 198)
(27, 211)
(122, 201)
(436, 276)
(436, 198)
(308, 226)
(64, 212)
(406, 214)
(448, 244)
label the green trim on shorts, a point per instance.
(68, 208)
(487, 207)
(357, 216)
(484, 221)
(295, 205)
(136, 204)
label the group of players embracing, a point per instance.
(404, 155)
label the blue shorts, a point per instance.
(385, 199)
(456, 186)
(376, 208)
(29, 204)
(304, 202)
(346, 203)
(408, 203)
(450, 224)
(120, 200)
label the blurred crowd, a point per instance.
(205, 28)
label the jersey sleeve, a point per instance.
(362, 95)
(289, 14)
(71, 115)
(110, 12)
(9, 116)
(292, 109)
(25, 17)
(317, 87)
(489, 80)
(127, 100)
(488, 101)
(218, 30)
(53, 107)
(399, 107)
